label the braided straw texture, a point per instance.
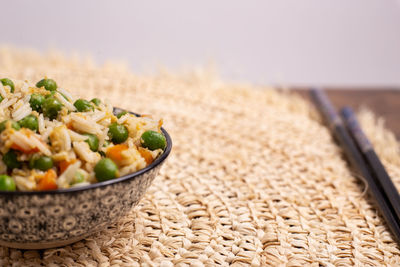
(254, 178)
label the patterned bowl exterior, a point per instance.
(46, 219)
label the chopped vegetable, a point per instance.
(146, 155)
(122, 113)
(36, 102)
(48, 84)
(106, 143)
(118, 133)
(153, 140)
(30, 151)
(79, 178)
(83, 105)
(93, 141)
(11, 161)
(7, 183)
(6, 81)
(51, 107)
(114, 152)
(105, 170)
(48, 182)
(14, 125)
(63, 165)
(96, 101)
(43, 163)
(30, 122)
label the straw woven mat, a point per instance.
(254, 178)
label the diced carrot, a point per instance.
(160, 123)
(114, 152)
(63, 165)
(48, 182)
(30, 151)
(69, 125)
(28, 133)
(146, 155)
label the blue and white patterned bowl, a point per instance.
(47, 219)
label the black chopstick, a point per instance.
(356, 159)
(372, 158)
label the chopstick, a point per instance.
(367, 150)
(356, 159)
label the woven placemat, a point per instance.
(254, 178)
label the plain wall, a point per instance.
(290, 42)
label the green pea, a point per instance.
(30, 122)
(3, 125)
(51, 107)
(96, 101)
(118, 133)
(36, 102)
(42, 163)
(52, 93)
(1, 98)
(79, 178)
(153, 140)
(6, 81)
(93, 141)
(83, 105)
(106, 143)
(31, 163)
(14, 125)
(7, 183)
(10, 159)
(122, 113)
(48, 84)
(105, 169)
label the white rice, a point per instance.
(83, 151)
(41, 123)
(65, 179)
(25, 88)
(7, 102)
(21, 140)
(29, 142)
(102, 137)
(66, 93)
(84, 125)
(123, 119)
(2, 91)
(23, 111)
(80, 184)
(96, 116)
(66, 103)
(24, 184)
(76, 136)
(60, 138)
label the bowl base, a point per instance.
(44, 245)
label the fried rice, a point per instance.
(61, 141)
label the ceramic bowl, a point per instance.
(47, 219)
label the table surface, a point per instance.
(383, 102)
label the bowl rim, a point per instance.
(126, 177)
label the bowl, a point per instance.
(48, 219)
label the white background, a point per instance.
(289, 42)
